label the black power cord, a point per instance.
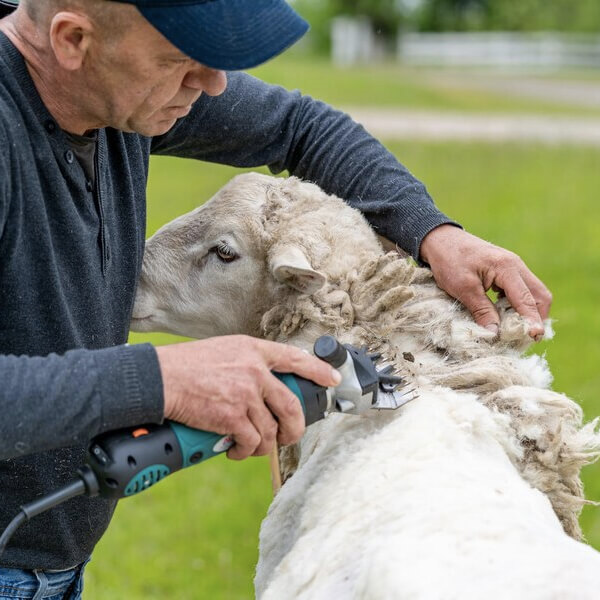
(86, 484)
(12, 527)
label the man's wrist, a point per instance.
(438, 237)
(165, 363)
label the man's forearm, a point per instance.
(58, 401)
(254, 124)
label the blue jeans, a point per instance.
(35, 585)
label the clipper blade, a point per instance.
(391, 395)
(393, 400)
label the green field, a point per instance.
(195, 536)
(393, 85)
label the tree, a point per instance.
(558, 15)
(452, 15)
(509, 15)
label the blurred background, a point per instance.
(495, 105)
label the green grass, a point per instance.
(195, 535)
(393, 85)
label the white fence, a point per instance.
(500, 49)
(353, 41)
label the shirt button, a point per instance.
(50, 126)
(69, 156)
(89, 186)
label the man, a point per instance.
(88, 89)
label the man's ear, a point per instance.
(70, 38)
(289, 265)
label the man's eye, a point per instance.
(224, 253)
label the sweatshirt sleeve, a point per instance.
(67, 400)
(253, 123)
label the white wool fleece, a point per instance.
(421, 503)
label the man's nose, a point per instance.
(207, 80)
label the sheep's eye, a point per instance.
(224, 253)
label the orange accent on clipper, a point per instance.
(140, 432)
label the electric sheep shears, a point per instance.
(128, 461)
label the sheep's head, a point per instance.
(217, 269)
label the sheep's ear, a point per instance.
(289, 265)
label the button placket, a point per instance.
(105, 252)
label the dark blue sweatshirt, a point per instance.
(71, 252)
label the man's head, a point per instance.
(139, 65)
(225, 34)
(105, 15)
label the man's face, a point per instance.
(141, 83)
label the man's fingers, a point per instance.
(246, 440)
(287, 410)
(279, 417)
(521, 299)
(541, 294)
(481, 307)
(288, 359)
(267, 427)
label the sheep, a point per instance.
(472, 490)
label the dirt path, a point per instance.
(574, 92)
(389, 124)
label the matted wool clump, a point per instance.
(386, 302)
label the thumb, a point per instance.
(483, 310)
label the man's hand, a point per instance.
(225, 385)
(466, 267)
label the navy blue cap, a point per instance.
(225, 34)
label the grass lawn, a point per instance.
(419, 88)
(195, 536)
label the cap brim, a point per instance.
(225, 34)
